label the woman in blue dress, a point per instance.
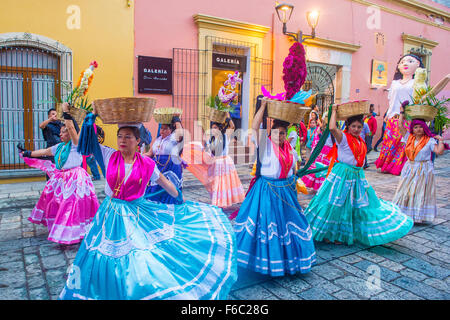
(272, 233)
(165, 151)
(139, 249)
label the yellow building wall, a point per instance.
(105, 34)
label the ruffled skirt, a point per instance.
(173, 172)
(226, 186)
(67, 204)
(147, 250)
(416, 191)
(217, 174)
(346, 209)
(272, 233)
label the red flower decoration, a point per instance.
(294, 70)
(94, 63)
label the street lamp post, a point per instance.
(284, 12)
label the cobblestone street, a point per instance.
(414, 267)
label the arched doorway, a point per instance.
(320, 80)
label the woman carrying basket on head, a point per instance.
(416, 191)
(139, 249)
(225, 187)
(165, 151)
(346, 208)
(273, 235)
(68, 202)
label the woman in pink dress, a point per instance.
(68, 202)
(315, 180)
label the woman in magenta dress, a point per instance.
(68, 202)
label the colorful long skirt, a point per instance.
(312, 180)
(67, 204)
(173, 171)
(272, 233)
(226, 186)
(392, 157)
(346, 209)
(146, 250)
(416, 191)
(217, 174)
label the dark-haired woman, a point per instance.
(140, 249)
(273, 235)
(165, 151)
(416, 191)
(68, 202)
(346, 208)
(225, 187)
(392, 156)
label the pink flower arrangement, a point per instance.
(294, 70)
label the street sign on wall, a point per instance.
(154, 75)
(229, 62)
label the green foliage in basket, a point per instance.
(215, 103)
(441, 122)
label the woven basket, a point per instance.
(353, 108)
(130, 109)
(165, 115)
(77, 114)
(425, 112)
(217, 115)
(285, 110)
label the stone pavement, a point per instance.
(414, 267)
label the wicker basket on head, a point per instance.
(217, 115)
(77, 114)
(352, 108)
(165, 115)
(425, 112)
(129, 109)
(285, 110)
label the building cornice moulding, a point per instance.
(417, 41)
(333, 44)
(228, 25)
(426, 8)
(402, 14)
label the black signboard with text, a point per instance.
(228, 62)
(154, 75)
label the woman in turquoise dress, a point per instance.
(140, 249)
(346, 208)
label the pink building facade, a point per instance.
(247, 35)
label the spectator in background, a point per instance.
(365, 132)
(311, 133)
(51, 129)
(372, 123)
(383, 128)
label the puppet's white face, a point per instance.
(408, 65)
